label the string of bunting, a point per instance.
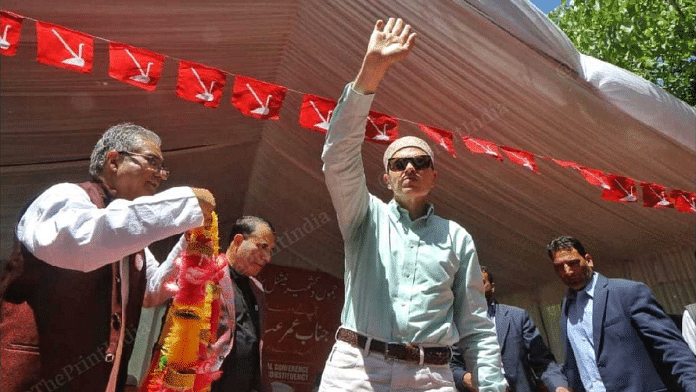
(73, 50)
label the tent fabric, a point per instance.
(495, 71)
(643, 100)
(635, 96)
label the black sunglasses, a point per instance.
(419, 162)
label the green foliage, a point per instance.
(655, 39)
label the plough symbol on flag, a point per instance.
(144, 76)
(629, 194)
(4, 43)
(205, 95)
(526, 163)
(77, 59)
(263, 110)
(488, 149)
(663, 199)
(691, 202)
(599, 179)
(324, 124)
(382, 133)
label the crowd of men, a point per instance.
(414, 290)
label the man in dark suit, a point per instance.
(617, 337)
(252, 240)
(526, 358)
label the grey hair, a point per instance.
(121, 137)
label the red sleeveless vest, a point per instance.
(60, 327)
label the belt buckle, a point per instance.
(387, 356)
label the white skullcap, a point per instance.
(403, 142)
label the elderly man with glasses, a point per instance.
(412, 280)
(80, 270)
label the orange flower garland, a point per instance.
(182, 364)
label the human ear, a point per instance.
(237, 240)
(590, 262)
(111, 162)
(385, 179)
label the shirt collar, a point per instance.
(588, 289)
(399, 212)
(236, 276)
(492, 309)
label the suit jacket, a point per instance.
(524, 353)
(637, 346)
(237, 374)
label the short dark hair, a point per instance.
(490, 275)
(246, 225)
(565, 243)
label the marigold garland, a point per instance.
(183, 362)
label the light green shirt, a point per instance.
(406, 281)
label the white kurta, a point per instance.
(65, 229)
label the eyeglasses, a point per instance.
(419, 162)
(152, 161)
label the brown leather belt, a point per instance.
(403, 352)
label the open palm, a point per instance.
(390, 42)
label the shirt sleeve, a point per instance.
(343, 166)
(158, 275)
(458, 367)
(477, 338)
(689, 331)
(541, 359)
(65, 229)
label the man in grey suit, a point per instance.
(526, 358)
(617, 336)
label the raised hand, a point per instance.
(389, 43)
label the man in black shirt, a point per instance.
(252, 240)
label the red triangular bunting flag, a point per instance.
(443, 138)
(316, 112)
(64, 48)
(257, 99)
(135, 66)
(684, 201)
(521, 157)
(200, 83)
(480, 146)
(569, 164)
(11, 31)
(381, 128)
(655, 196)
(621, 189)
(595, 177)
